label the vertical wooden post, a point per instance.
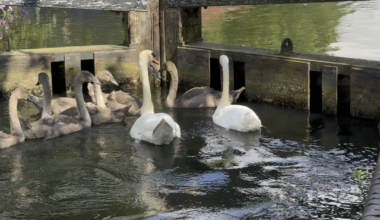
(127, 36)
(162, 46)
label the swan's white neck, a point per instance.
(15, 122)
(98, 96)
(46, 109)
(225, 99)
(81, 106)
(147, 107)
(173, 87)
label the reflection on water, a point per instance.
(347, 30)
(288, 171)
(33, 27)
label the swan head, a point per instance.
(19, 93)
(86, 76)
(106, 76)
(223, 60)
(147, 58)
(42, 78)
(168, 66)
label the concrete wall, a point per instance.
(344, 88)
(21, 68)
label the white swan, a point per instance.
(157, 128)
(234, 117)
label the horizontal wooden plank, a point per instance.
(277, 81)
(193, 67)
(115, 5)
(201, 3)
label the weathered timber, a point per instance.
(72, 68)
(193, 67)
(329, 89)
(116, 5)
(173, 32)
(372, 205)
(365, 92)
(122, 64)
(162, 47)
(278, 81)
(205, 3)
(141, 30)
(22, 70)
(191, 20)
(58, 53)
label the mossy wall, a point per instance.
(22, 70)
(123, 64)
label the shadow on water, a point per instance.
(300, 169)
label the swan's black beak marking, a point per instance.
(38, 83)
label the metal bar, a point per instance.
(205, 3)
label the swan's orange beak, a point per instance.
(155, 61)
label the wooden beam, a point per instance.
(203, 3)
(115, 5)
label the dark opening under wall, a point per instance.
(88, 65)
(215, 76)
(315, 89)
(58, 78)
(343, 95)
(239, 79)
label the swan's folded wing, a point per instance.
(4, 135)
(197, 91)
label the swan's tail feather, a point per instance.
(266, 129)
(163, 132)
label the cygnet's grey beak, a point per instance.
(38, 83)
(156, 73)
(96, 81)
(112, 80)
(30, 99)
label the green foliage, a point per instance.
(359, 177)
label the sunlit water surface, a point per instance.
(348, 29)
(289, 171)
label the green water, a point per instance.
(347, 30)
(49, 27)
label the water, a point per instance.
(348, 30)
(32, 27)
(290, 171)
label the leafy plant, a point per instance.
(359, 176)
(6, 19)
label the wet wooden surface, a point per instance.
(365, 92)
(329, 89)
(125, 5)
(201, 3)
(327, 60)
(281, 82)
(72, 68)
(22, 71)
(193, 67)
(372, 205)
(123, 64)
